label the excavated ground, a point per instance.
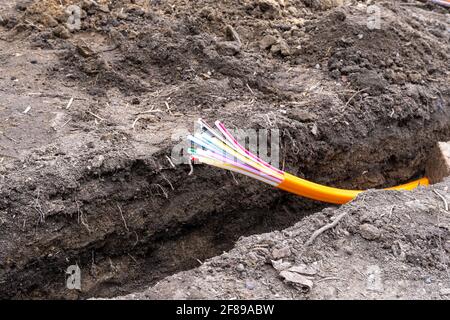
(89, 182)
(385, 245)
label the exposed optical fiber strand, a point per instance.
(220, 149)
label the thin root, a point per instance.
(325, 228)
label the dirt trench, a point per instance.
(124, 226)
(91, 184)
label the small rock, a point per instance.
(228, 48)
(350, 69)
(314, 129)
(282, 48)
(370, 79)
(98, 161)
(249, 285)
(62, 32)
(84, 50)
(268, 6)
(283, 26)
(347, 250)
(325, 4)
(281, 265)
(399, 77)
(267, 42)
(87, 4)
(103, 8)
(57, 121)
(122, 15)
(281, 253)
(23, 5)
(33, 61)
(374, 281)
(369, 232)
(301, 282)
(414, 77)
(240, 267)
(48, 21)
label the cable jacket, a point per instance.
(323, 193)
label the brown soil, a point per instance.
(388, 245)
(90, 185)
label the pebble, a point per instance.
(314, 129)
(228, 48)
(240, 267)
(281, 265)
(267, 42)
(369, 232)
(281, 47)
(97, 162)
(281, 253)
(268, 5)
(62, 32)
(249, 285)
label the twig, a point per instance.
(330, 278)
(325, 228)
(69, 104)
(192, 168)
(150, 111)
(81, 218)
(27, 110)
(390, 213)
(234, 178)
(135, 121)
(133, 258)
(168, 181)
(250, 89)
(443, 199)
(168, 108)
(137, 239)
(353, 96)
(123, 219)
(170, 161)
(232, 33)
(98, 117)
(64, 124)
(163, 190)
(8, 137)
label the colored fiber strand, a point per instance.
(220, 149)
